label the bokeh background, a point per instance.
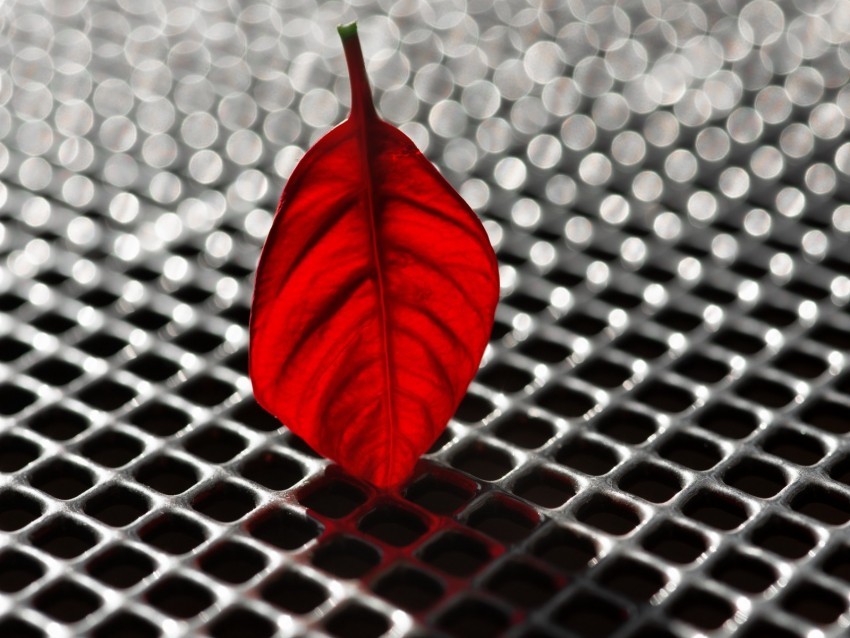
(656, 444)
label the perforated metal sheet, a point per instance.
(657, 441)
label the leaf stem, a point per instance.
(361, 93)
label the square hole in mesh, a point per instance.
(603, 373)
(806, 289)
(702, 369)
(117, 506)
(346, 557)
(828, 416)
(147, 319)
(106, 395)
(583, 324)
(160, 419)
(765, 392)
(55, 371)
(505, 378)
(167, 474)
(180, 597)
(816, 604)
(192, 294)
(728, 421)
(641, 346)
(18, 570)
(522, 585)
(101, 345)
(756, 477)
(152, 367)
(837, 563)
(121, 567)
(173, 533)
(284, 528)
(526, 303)
(61, 479)
(785, 537)
(442, 496)
(238, 314)
(545, 350)
(831, 336)
(524, 431)
(112, 448)
(500, 329)
(620, 298)
(225, 502)
(506, 520)
(409, 588)
(17, 510)
(716, 509)
(206, 390)
(98, 298)
(691, 451)
(292, 591)
(544, 487)
(142, 273)
(355, 620)
(53, 323)
(589, 616)
(738, 341)
(470, 616)
(232, 562)
(483, 461)
(11, 349)
(251, 414)
(626, 425)
(565, 401)
(609, 515)
(14, 399)
(125, 624)
(455, 553)
(394, 525)
(272, 470)
(801, 364)
(702, 609)
(473, 408)
(743, 572)
(651, 482)
(632, 578)
(58, 424)
(678, 320)
(332, 497)
(67, 602)
(10, 301)
(238, 362)
(16, 452)
(564, 549)
(773, 315)
(665, 397)
(823, 504)
(714, 294)
(199, 341)
(675, 543)
(239, 622)
(215, 444)
(587, 456)
(64, 537)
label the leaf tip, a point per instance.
(347, 31)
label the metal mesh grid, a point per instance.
(657, 441)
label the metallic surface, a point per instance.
(657, 440)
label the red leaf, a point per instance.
(374, 296)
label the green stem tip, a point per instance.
(347, 31)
